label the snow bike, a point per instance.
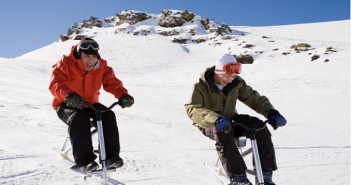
(101, 151)
(241, 143)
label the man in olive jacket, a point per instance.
(212, 107)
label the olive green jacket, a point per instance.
(208, 103)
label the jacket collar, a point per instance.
(208, 78)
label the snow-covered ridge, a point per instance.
(181, 26)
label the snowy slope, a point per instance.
(159, 144)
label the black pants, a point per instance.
(79, 130)
(230, 157)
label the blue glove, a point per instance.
(275, 119)
(223, 125)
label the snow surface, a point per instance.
(159, 143)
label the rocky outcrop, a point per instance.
(169, 33)
(314, 57)
(77, 27)
(175, 18)
(180, 41)
(244, 59)
(131, 17)
(301, 47)
(181, 25)
(212, 27)
(92, 22)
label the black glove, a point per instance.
(275, 119)
(249, 121)
(126, 100)
(74, 100)
(223, 125)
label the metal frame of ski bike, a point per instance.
(241, 143)
(100, 132)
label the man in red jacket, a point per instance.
(76, 78)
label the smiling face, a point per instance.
(224, 79)
(89, 61)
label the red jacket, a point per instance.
(69, 75)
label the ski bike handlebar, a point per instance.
(103, 110)
(250, 129)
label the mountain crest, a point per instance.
(181, 25)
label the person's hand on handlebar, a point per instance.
(223, 125)
(126, 100)
(74, 100)
(275, 119)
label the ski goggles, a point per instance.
(85, 45)
(231, 68)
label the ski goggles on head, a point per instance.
(85, 45)
(231, 68)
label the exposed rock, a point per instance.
(227, 37)
(131, 17)
(64, 38)
(109, 20)
(326, 60)
(199, 40)
(265, 37)
(191, 32)
(142, 32)
(169, 33)
(171, 18)
(330, 49)
(92, 22)
(275, 49)
(79, 37)
(221, 30)
(244, 59)
(215, 44)
(121, 30)
(187, 15)
(285, 53)
(180, 41)
(206, 23)
(301, 47)
(314, 57)
(248, 46)
(70, 31)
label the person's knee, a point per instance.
(80, 118)
(109, 117)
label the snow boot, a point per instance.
(90, 167)
(267, 176)
(240, 179)
(114, 163)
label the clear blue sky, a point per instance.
(27, 25)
